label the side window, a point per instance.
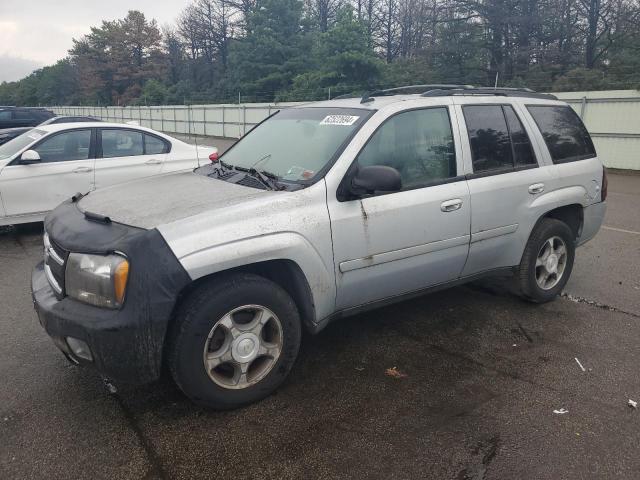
(73, 145)
(489, 138)
(522, 149)
(121, 143)
(563, 132)
(498, 138)
(417, 143)
(23, 115)
(154, 145)
(5, 114)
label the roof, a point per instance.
(355, 102)
(381, 98)
(56, 127)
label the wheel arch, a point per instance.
(572, 215)
(284, 272)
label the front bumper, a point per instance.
(108, 333)
(126, 344)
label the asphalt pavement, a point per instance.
(476, 375)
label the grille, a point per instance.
(224, 176)
(55, 259)
(248, 181)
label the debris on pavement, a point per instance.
(395, 373)
(633, 404)
(111, 388)
(580, 365)
(561, 411)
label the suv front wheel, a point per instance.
(234, 341)
(547, 261)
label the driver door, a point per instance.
(397, 243)
(66, 167)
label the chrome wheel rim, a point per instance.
(243, 347)
(551, 263)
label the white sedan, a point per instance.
(47, 165)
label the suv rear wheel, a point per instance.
(234, 341)
(547, 261)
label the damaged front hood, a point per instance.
(155, 201)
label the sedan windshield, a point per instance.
(15, 145)
(297, 143)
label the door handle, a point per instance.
(451, 205)
(153, 161)
(83, 170)
(536, 188)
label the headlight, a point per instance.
(100, 280)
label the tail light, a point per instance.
(605, 185)
(214, 157)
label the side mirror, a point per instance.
(375, 179)
(29, 156)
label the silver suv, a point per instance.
(321, 211)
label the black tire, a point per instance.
(528, 286)
(197, 315)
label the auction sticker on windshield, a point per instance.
(339, 120)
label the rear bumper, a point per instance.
(592, 221)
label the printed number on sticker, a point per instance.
(339, 120)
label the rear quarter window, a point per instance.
(564, 133)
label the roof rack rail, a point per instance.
(369, 96)
(502, 92)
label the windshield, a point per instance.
(297, 143)
(13, 146)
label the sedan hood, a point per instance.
(155, 201)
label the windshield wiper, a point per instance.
(268, 179)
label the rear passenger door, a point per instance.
(504, 179)
(127, 154)
(571, 151)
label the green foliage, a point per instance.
(340, 59)
(153, 93)
(273, 52)
(116, 58)
(580, 79)
(266, 50)
(54, 85)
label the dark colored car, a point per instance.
(12, 117)
(11, 133)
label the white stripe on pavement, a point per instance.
(620, 230)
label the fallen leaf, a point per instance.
(395, 373)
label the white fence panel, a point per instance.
(612, 117)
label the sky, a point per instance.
(35, 33)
